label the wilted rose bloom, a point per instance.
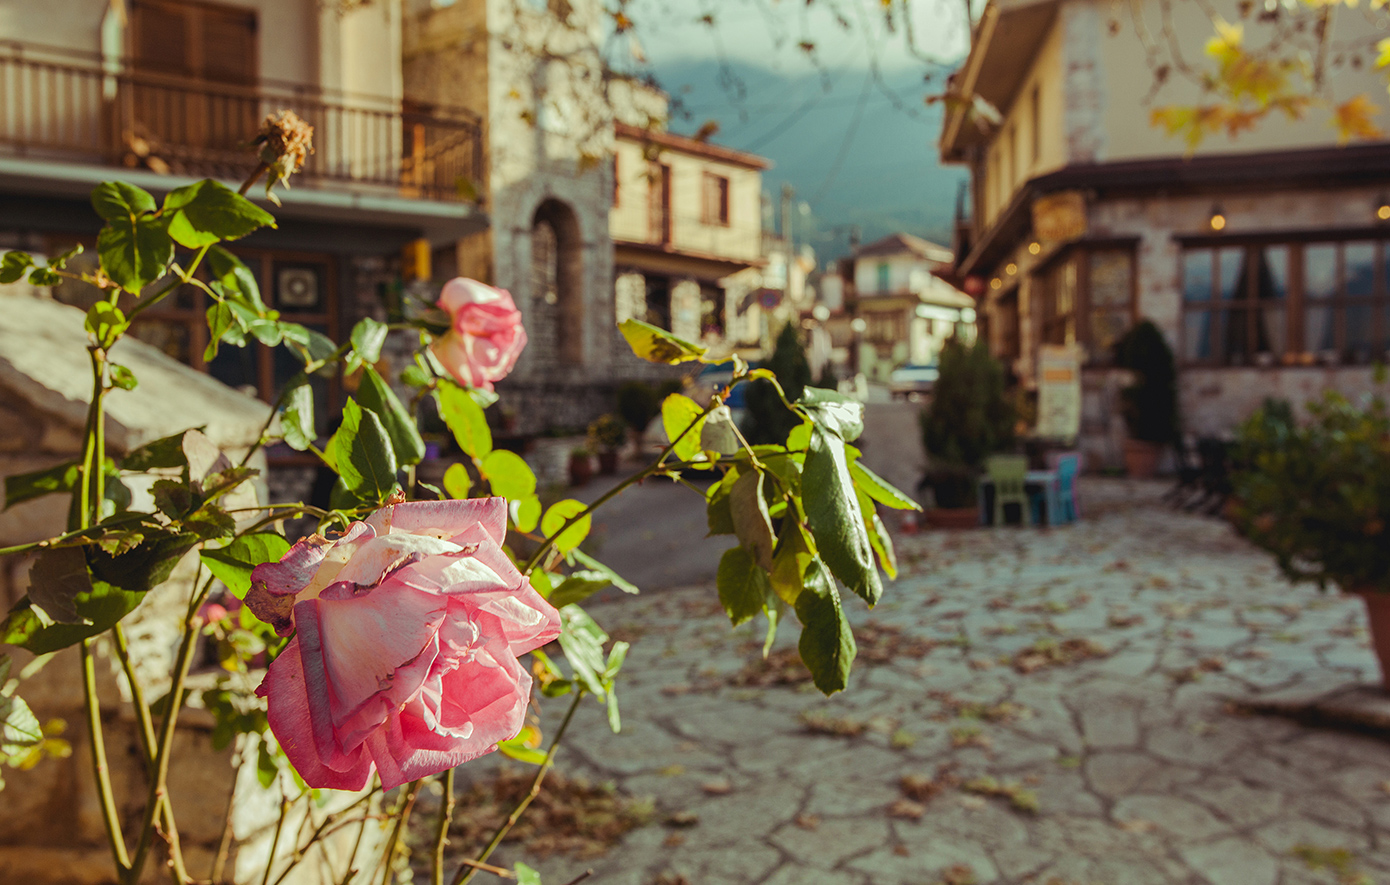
(486, 337)
(408, 628)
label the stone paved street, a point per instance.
(1067, 720)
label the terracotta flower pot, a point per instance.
(581, 469)
(608, 462)
(1141, 458)
(953, 517)
(1378, 617)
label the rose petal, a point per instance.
(306, 568)
(443, 519)
(287, 696)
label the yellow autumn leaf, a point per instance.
(1352, 119)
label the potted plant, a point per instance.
(969, 419)
(1150, 404)
(1317, 496)
(606, 435)
(581, 465)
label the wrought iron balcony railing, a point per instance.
(83, 109)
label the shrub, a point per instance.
(970, 417)
(1150, 404)
(1317, 496)
(607, 433)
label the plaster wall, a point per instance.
(900, 273)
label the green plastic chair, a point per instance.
(1007, 473)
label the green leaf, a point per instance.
(161, 454)
(657, 345)
(678, 413)
(205, 212)
(827, 643)
(375, 394)
(832, 511)
(236, 278)
(556, 516)
(516, 749)
(465, 419)
(578, 586)
(20, 731)
(13, 266)
(367, 338)
(361, 453)
(509, 475)
(457, 482)
(719, 514)
(879, 489)
(57, 579)
(879, 538)
(834, 412)
(98, 609)
(305, 343)
(743, 585)
(582, 641)
(525, 875)
(105, 322)
(752, 523)
(122, 377)
(617, 580)
(27, 486)
(796, 552)
(297, 419)
(135, 251)
(44, 276)
(718, 433)
(223, 325)
(232, 564)
(116, 200)
(527, 514)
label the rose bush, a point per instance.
(486, 335)
(408, 628)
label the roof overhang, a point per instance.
(664, 259)
(437, 221)
(1007, 39)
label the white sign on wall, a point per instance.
(1059, 391)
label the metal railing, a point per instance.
(83, 109)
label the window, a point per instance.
(716, 200)
(617, 182)
(883, 277)
(1058, 291)
(1086, 298)
(659, 203)
(1346, 314)
(1239, 301)
(1006, 314)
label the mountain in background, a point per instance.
(859, 155)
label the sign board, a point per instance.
(1060, 217)
(1059, 391)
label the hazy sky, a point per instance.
(769, 32)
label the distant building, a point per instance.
(898, 287)
(1263, 258)
(686, 223)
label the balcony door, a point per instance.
(191, 99)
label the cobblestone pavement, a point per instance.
(1057, 700)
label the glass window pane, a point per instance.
(1360, 335)
(1110, 278)
(1360, 261)
(1317, 331)
(236, 367)
(1272, 331)
(1232, 264)
(1106, 327)
(1197, 335)
(1196, 275)
(1273, 281)
(1235, 337)
(1320, 271)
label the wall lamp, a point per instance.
(1383, 208)
(1217, 220)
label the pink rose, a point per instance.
(408, 629)
(486, 337)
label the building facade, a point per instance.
(162, 93)
(1262, 257)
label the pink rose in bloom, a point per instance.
(408, 628)
(486, 337)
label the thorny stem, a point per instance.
(224, 844)
(181, 278)
(253, 177)
(324, 828)
(99, 768)
(147, 745)
(467, 872)
(388, 855)
(159, 777)
(275, 840)
(441, 832)
(349, 872)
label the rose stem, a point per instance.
(581, 877)
(402, 818)
(251, 179)
(441, 833)
(465, 872)
(319, 832)
(224, 844)
(275, 840)
(99, 768)
(147, 745)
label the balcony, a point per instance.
(59, 106)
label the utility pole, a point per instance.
(788, 195)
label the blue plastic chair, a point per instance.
(1060, 494)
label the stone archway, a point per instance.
(557, 284)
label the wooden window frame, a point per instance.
(1083, 309)
(715, 203)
